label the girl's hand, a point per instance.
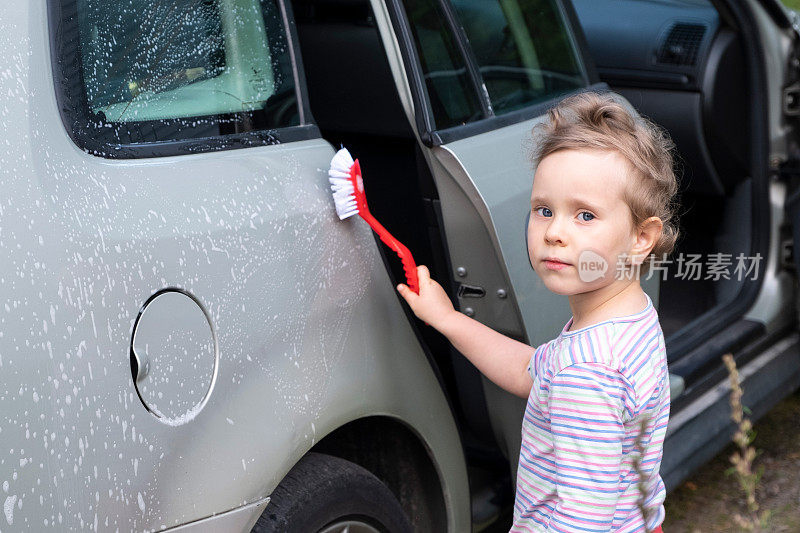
(432, 304)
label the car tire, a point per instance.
(323, 493)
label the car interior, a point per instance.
(684, 69)
(684, 65)
(681, 63)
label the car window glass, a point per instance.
(522, 48)
(148, 66)
(452, 97)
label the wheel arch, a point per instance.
(398, 456)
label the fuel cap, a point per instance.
(174, 355)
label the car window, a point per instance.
(452, 97)
(153, 71)
(522, 48)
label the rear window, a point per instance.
(144, 72)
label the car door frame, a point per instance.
(503, 410)
(422, 119)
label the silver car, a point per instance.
(191, 340)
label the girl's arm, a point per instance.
(501, 359)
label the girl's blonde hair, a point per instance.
(600, 122)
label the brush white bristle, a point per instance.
(344, 195)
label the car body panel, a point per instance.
(776, 44)
(240, 520)
(777, 299)
(311, 334)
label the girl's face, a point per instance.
(580, 225)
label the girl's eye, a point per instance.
(543, 211)
(585, 216)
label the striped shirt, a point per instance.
(593, 388)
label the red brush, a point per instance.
(349, 197)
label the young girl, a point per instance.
(601, 206)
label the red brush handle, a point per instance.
(409, 266)
(400, 249)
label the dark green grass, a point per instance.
(707, 501)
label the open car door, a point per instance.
(475, 76)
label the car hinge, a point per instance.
(787, 254)
(791, 99)
(786, 171)
(791, 92)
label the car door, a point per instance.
(476, 76)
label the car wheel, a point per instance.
(326, 494)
